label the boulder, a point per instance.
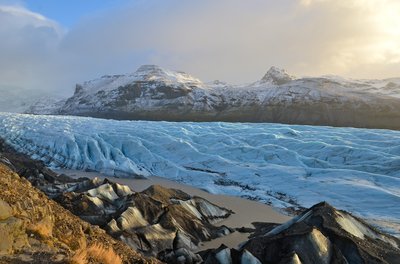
(323, 234)
(5, 210)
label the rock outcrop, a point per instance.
(152, 221)
(34, 229)
(277, 76)
(321, 234)
(149, 93)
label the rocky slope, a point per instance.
(152, 221)
(34, 229)
(153, 93)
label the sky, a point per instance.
(52, 45)
(68, 13)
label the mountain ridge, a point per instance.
(154, 93)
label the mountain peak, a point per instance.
(277, 76)
(156, 73)
(149, 69)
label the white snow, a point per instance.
(209, 210)
(146, 93)
(145, 73)
(17, 100)
(358, 229)
(286, 165)
(190, 207)
(131, 218)
(275, 87)
(122, 190)
(96, 201)
(295, 259)
(248, 258)
(288, 224)
(277, 76)
(104, 191)
(322, 245)
(224, 256)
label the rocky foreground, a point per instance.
(149, 222)
(164, 223)
(35, 229)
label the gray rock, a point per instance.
(323, 234)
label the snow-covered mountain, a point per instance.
(44, 105)
(154, 93)
(283, 165)
(16, 99)
(149, 93)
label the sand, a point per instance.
(246, 211)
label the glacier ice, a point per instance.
(286, 165)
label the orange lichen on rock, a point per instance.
(36, 229)
(96, 253)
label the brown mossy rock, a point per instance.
(13, 235)
(5, 210)
(41, 231)
(164, 195)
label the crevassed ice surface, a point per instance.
(285, 165)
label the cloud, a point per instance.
(231, 40)
(238, 41)
(28, 43)
(365, 38)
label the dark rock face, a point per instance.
(277, 76)
(223, 255)
(150, 221)
(323, 234)
(180, 253)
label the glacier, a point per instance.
(284, 165)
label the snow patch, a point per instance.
(248, 258)
(224, 256)
(321, 244)
(131, 218)
(105, 192)
(289, 223)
